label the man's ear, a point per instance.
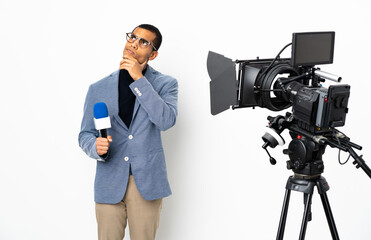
(153, 55)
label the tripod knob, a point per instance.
(298, 165)
(320, 167)
(356, 164)
(294, 165)
(289, 165)
(287, 151)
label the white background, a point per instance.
(223, 185)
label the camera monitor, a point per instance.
(312, 48)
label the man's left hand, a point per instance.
(132, 65)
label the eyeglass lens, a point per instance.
(142, 42)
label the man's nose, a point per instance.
(135, 43)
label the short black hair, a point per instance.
(158, 40)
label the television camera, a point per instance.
(280, 83)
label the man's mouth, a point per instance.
(131, 52)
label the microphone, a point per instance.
(101, 118)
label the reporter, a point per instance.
(131, 177)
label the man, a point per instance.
(131, 177)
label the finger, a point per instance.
(101, 152)
(127, 61)
(101, 139)
(102, 143)
(109, 138)
(103, 148)
(121, 65)
(125, 66)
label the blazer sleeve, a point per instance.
(88, 133)
(161, 106)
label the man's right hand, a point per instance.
(102, 144)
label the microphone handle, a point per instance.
(103, 133)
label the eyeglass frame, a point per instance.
(139, 38)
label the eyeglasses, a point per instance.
(143, 43)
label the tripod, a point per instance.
(306, 186)
(306, 162)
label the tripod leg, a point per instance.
(329, 216)
(281, 227)
(310, 208)
(304, 223)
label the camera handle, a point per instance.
(347, 146)
(272, 136)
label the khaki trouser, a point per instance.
(143, 216)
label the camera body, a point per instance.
(318, 109)
(277, 84)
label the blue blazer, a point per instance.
(140, 146)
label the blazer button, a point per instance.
(130, 137)
(126, 159)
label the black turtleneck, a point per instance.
(126, 97)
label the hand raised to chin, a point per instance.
(132, 65)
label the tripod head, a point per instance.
(306, 148)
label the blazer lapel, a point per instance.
(136, 107)
(113, 104)
(113, 89)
